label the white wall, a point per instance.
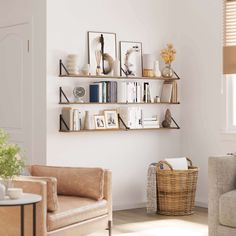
(196, 30)
(33, 12)
(126, 154)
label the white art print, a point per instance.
(101, 52)
(131, 58)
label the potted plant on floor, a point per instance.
(11, 164)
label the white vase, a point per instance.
(88, 121)
(116, 68)
(2, 191)
(157, 71)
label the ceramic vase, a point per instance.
(2, 191)
(157, 72)
(72, 64)
(88, 121)
(116, 68)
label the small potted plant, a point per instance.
(11, 164)
(168, 56)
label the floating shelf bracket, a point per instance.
(177, 126)
(121, 120)
(62, 121)
(62, 66)
(62, 94)
(176, 74)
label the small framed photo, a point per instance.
(131, 58)
(101, 52)
(111, 119)
(99, 122)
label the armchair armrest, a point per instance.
(108, 191)
(221, 179)
(40, 188)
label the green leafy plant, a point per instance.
(11, 163)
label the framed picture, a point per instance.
(111, 119)
(131, 58)
(101, 52)
(99, 122)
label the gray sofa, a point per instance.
(222, 196)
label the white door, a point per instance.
(16, 85)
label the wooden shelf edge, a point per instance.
(118, 103)
(126, 130)
(119, 77)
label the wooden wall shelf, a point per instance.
(118, 77)
(118, 103)
(117, 130)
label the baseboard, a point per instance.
(201, 204)
(119, 207)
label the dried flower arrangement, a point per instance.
(168, 54)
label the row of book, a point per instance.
(132, 117)
(119, 92)
(169, 92)
(72, 119)
(103, 92)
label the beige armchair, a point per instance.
(75, 201)
(222, 196)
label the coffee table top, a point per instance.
(26, 198)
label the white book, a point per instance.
(138, 93)
(121, 92)
(75, 119)
(100, 91)
(151, 126)
(166, 92)
(151, 122)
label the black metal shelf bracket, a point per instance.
(62, 94)
(62, 66)
(121, 120)
(176, 74)
(177, 126)
(62, 122)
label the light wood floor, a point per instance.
(137, 222)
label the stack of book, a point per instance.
(72, 118)
(169, 92)
(151, 122)
(103, 92)
(132, 116)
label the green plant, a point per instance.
(10, 162)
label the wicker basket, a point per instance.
(176, 190)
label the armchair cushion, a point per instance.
(73, 210)
(72, 181)
(227, 211)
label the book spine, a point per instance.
(93, 93)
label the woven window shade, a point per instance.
(229, 50)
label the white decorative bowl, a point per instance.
(15, 193)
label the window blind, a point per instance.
(230, 22)
(229, 50)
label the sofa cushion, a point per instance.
(227, 211)
(71, 181)
(52, 201)
(73, 210)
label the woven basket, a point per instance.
(176, 190)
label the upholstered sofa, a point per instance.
(222, 196)
(75, 201)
